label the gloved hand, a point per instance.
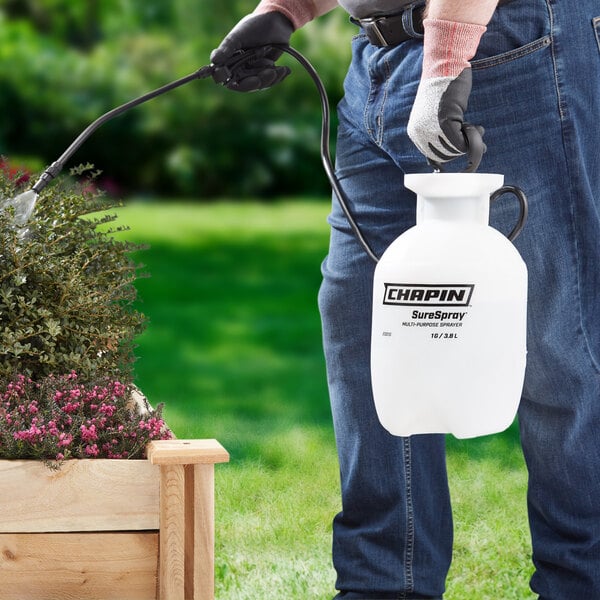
(436, 124)
(256, 70)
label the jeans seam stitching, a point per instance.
(559, 96)
(596, 26)
(564, 123)
(410, 533)
(380, 116)
(368, 103)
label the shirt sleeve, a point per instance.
(299, 12)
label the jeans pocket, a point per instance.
(515, 30)
(510, 55)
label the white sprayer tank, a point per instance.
(448, 345)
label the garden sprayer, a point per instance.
(449, 297)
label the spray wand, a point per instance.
(56, 167)
(24, 203)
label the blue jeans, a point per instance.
(536, 90)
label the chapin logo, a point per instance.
(407, 294)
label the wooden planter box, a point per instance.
(111, 529)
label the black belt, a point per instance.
(391, 30)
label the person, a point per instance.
(529, 72)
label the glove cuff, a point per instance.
(299, 12)
(448, 47)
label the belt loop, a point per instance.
(408, 21)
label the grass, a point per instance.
(233, 348)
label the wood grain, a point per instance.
(186, 452)
(78, 566)
(200, 532)
(84, 495)
(172, 533)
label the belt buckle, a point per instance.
(371, 27)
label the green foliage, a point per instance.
(66, 288)
(63, 64)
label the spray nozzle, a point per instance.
(251, 69)
(232, 69)
(47, 176)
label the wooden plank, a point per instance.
(78, 566)
(84, 495)
(171, 574)
(200, 532)
(186, 452)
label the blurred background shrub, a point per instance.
(64, 63)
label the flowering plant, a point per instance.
(68, 325)
(60, 418)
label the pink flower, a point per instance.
(64, 439)
(92, 450)
(88, 434)
(108, 409)
(75, 394)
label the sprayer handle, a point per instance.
(520, 194)
(475, 146)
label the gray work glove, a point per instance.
(437, 121)
(245, 59)
(438, 115)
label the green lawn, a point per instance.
(233, 348)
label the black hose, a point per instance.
(326, 154)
